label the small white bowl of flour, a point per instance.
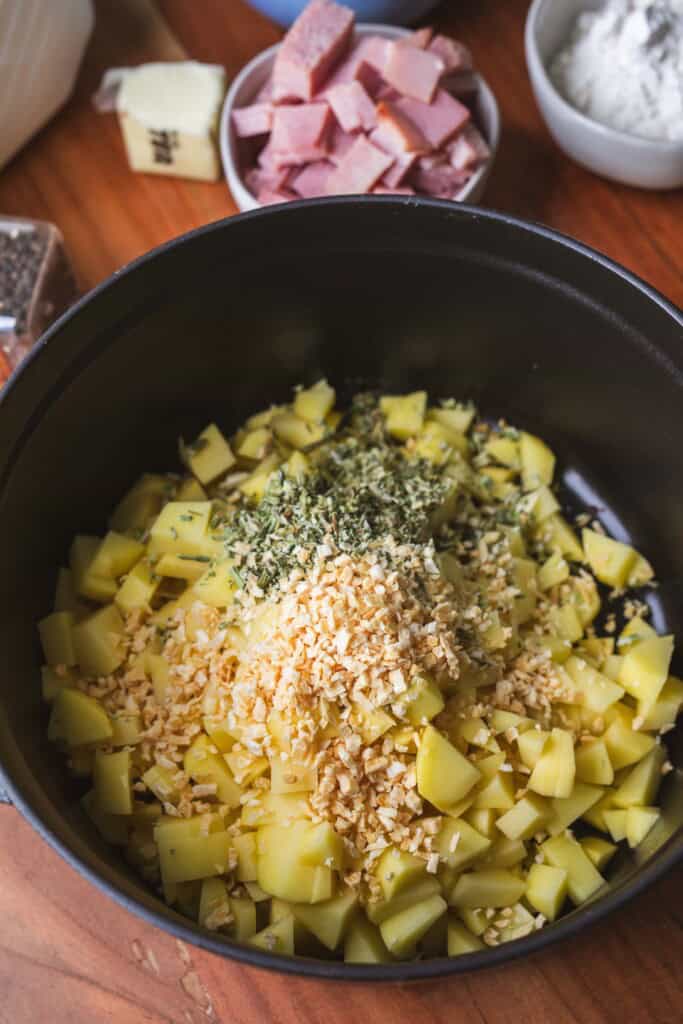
(608, 78)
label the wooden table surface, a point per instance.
(68, 953)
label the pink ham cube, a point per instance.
(256, 119)
(421, 37)
(455, 56)
(360, 170)
(397, 133)
(340, 144)
(438, 121)
(310, 182)
(269, 197)
(258, 180)
(316, 41)
(399, 190)
(443, 181)
(364, 64)
(402, 165)
(300, 133)
(412, 71)
(468, 150)
(352, 107)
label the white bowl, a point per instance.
(254, 74)
(613, 154)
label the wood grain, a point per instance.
(68, 953)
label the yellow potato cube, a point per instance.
(116, 555)
(363, 944)
(596, 691)
(98, 642)
(296, 432)
(256, 444)
(610, 560)
(444, 776)
(566, 810)
(112, 782)
(210, 456)
(160, 781)
(126, 730)
(640, 786)
(281, 871)
(664, 711)
(421, 702)
(598, 851)
(546, 889)
(553, 774)
(541, 504)
(402, 932)
(323, 847)
(615, 821)
(138, 588)
(87, 583)
(639, 823)
(218, 586)
(182, 567)
(78, 719)
(455, 416)
(555, 570)
(583, 879)
(57, 639)
(460, 939)
(381, 910)
(530, 746)
(315, 403)
(526, 818)
(505, 853)
(276, 938)
(204, 766)
(245, 847)
(436, 443)
(498, 794)
(181, 528)
(504, 450)
(404, 414)
(396, 870)
(287, 776)
(624, 746)
(186, 859)
(537, 462)
(459, 844)
(243, 911)
(593, 764)
(645, 667)
(328, 921)
(53, 681)
(190, 490)
(371, 723)
(493, 887)
(558, 534)
(566, 623)
(256, 484)
(214, 905)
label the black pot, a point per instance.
(532, 326)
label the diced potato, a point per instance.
(553, 774)
(444, 776)
(483, 821)
(297, 466)
(182, 567)
(214, 904)
(204, 766)
(421, 702)
(329, 920)
(276, 938)
(595, 815)
(53, 681)
(634, 632)
(519, 924)
(546, 889)
(598, 851)
(323, 847)
(243, 911)
(475, 732)
(475, 920)
(501, 721)
(404, 414)
(640, 786)
(396, 870)
(504, 450)
(403, 931)
(245, 767)
(584, 597)
(639, 822)
(612, 667)
(624, 746)
(565, 811)
(371, 723)
(505, 853)
(281, 871)
(645, 667)
(523, 573)
(555, 570)
(565, 621)
(583, 879)
(245, 848)
(190, 490)
(498, 794)
(159, 780)
(541, 504)
(181, 528)
(210, 456)
(596, 691)
(112, 782)
(256, 484)
(459, 844)
(138, 588)
(610, 560)
(460, 939)
(218, 586)
(296, 432)
(526, 818)
(615, 820)
(558, 534)
(160, 674)
(115, 556)
(537, 462)
(664, 711)
(313, 404)
(436, 443)
(593, 764)
(530, 746)
(112, 827)
(184, 859)
(291, 776)
(86, 583)
(256, 444)
(381, 910)
(641, 572)
(78, 719)
(493, 887)
(273, 808)
(98, 642)
(457, 417)
(57, 639)
(363, 943)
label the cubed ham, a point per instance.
(421, 37)
(360, 170)
(364, 64)
(300, 133)
(397, 133)
(352, 107)
(310, 182)
(399, 190)
(468, 150)
(402, 165)
(317, 40)
(340, 144)
(268, 197)
(259, 180)
(387, 92)
(455, 56)
(265, 93)
(443, 181)
(412, 71)
(438, 121)
(256, 119)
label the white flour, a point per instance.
(623, 66)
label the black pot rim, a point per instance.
(425, 970)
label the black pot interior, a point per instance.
(378, 292)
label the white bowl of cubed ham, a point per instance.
(339, 109)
